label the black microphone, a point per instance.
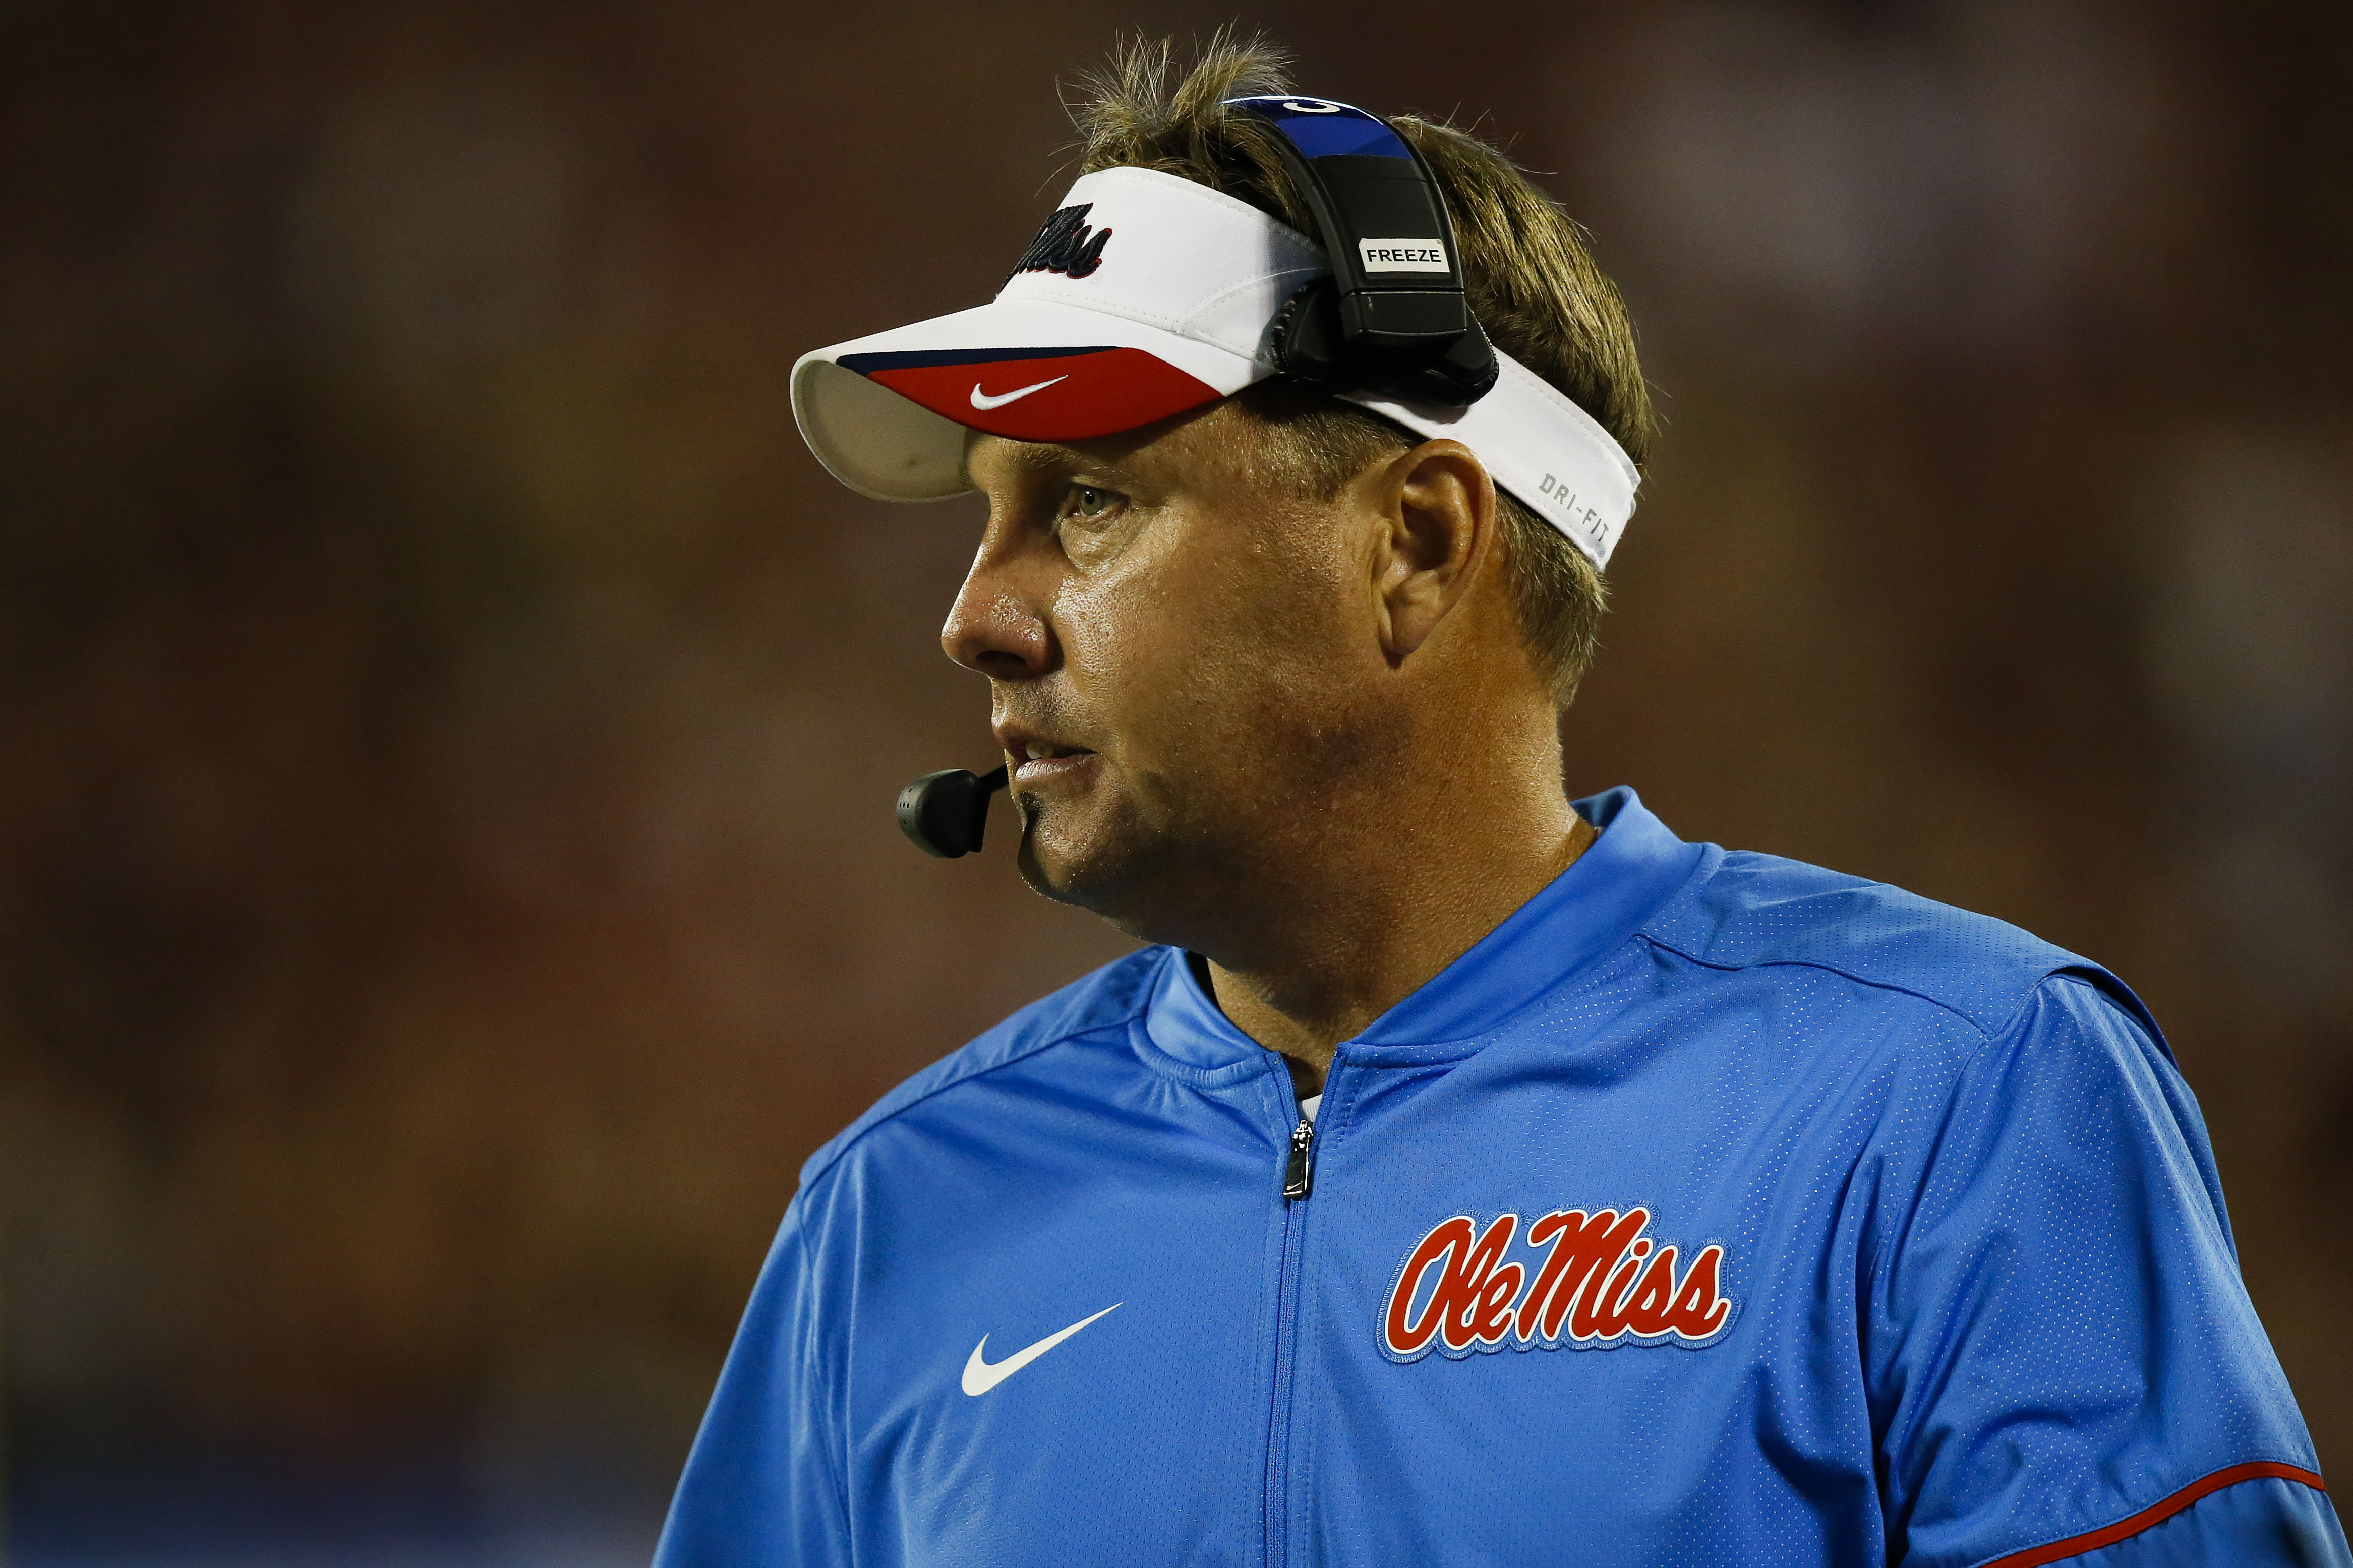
(946, 813)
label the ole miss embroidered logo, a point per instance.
(1066, 244)
(1594, 1280)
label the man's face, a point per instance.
(1184, 659)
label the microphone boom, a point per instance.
(945, 814)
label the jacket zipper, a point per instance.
(1298, 1180)
(1299, 1171)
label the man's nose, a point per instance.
(994, 627)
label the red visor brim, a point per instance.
(1038, 394)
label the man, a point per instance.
(1462, 1176)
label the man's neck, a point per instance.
(1365, 950)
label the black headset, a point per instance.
(1391, 319)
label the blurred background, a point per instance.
(449, 723)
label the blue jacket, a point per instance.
(1714, 1209)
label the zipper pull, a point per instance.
(1299, 1172)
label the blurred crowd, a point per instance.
(449, 723)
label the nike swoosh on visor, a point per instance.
(983, 400)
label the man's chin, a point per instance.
(1103, 867)
(1069, 868)
(1150, 870)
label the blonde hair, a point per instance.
(1531, 281)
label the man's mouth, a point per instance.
(1041, 762)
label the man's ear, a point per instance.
(1438, 503)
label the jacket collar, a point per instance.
(1582, 914)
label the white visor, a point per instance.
(1147, 295)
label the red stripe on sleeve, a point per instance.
(2123, 1529)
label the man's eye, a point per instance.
(1088, 502)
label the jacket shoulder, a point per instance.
(1759, 910)
(1106, 999)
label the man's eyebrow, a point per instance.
(1043, 458)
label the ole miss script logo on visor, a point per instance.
(1065, 244)
(1594, 1280)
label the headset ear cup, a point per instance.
(1310, 344)
(1306, 334)
(1466, 374)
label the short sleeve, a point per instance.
(762, 1484)
(2063, 1363)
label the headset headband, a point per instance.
(1392, 317)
